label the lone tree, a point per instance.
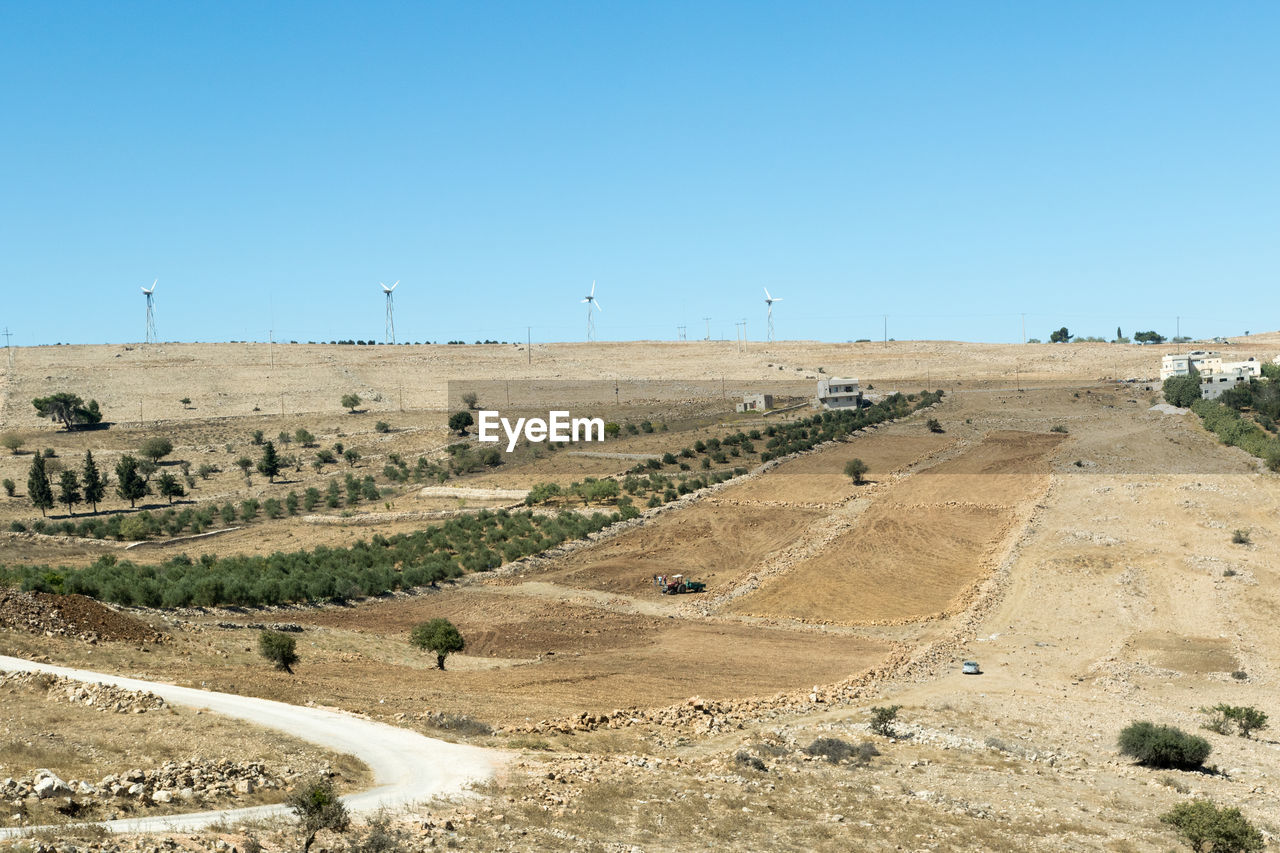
(1061, 336)
(170, 486)
(12, 441)
(68, 409)
(317, 806)
(279, 648)
(350, 401)
(459, 421)
(69, 490)
(38, 489)
(129, 483)
(95, 485)
(269, 464)
(855, 469)
(439, 636)
(156, 448)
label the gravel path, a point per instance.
(407, 767)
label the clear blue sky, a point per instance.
(949, 164)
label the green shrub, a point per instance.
(1059, 428)
(1206, 827)
(882, 719)
(1245, 719)
(1240, 537)
(1163, 746)
(279, 648)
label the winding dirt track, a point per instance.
(407, 767)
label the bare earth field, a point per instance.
(1091, 571)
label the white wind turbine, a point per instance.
(769, 300)
(391, 317)
(151, 317)
(590, 299)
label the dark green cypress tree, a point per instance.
(269, 465)
(95, 485)
(69, 490)
(38, 488)
(129, 484)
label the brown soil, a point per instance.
(819, 478)
(71, 615)
(920, 545)
(708, 542)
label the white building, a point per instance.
(836, 393)
(1229, 376)
(1181, 363)
(756, 403)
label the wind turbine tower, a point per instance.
(390, 337)
(590, 299)
(151, 314)
(769, 300)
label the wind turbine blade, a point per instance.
(597, 304)
(593, 287)
(587, 299)
(767, 297)
(397, 284)
(777, 299)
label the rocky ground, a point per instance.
(71, 616)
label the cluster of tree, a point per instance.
(1259, 397)
(472, 543)
(657, 488)
(1064, 336)
(341, 492)
(1237, 431)
(463, 458)
(87, 486)
(69, 410)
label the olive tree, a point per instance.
(279, 648)
(438, 636)
(317, 807)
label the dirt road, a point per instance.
(407, 767)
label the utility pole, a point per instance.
(271, 346)
(708, 322)
(8, 334)
(680, 330)
(1024, 327)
